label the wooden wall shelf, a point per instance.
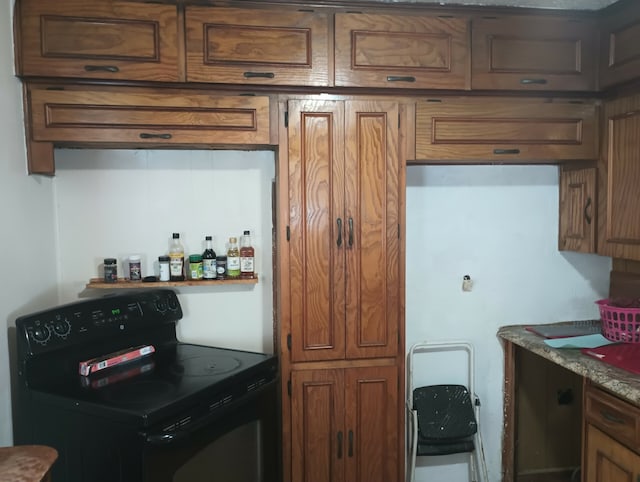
(124, 283)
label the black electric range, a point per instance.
(180, 398)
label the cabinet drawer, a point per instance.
(251, 46)
(613, 416)
(401, 51)
(98, 40)
(533, 53)
(512, 130)
(147, 117)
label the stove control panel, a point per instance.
(96, 319)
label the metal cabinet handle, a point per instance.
(608, 416)
(400, 78)
(101, 68)
(147, 135)
(533, 81)
(350, 232)
(350, 452)
(340, 444)
(259, 75)
(506, 151)
(587, 216)
(339, 241)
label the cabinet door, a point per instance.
(252, 46)
(619, 196)
(317, 240)
(401, 51)
(317, 420)
(476, 130)
(135, 117)
(372, 220)
(577, 210)
(98, 40)
(372, 424)
(533, 53)
(607, 460)
(620, 45)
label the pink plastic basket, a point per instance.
(619, 324)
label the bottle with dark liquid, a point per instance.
(247, 258)
(209, 260)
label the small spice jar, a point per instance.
(165, 272)
(221, 267)
(135, 270)
(195, 267)
(110, 270)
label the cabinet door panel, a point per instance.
(372, 424)
(372, 207)
(317, 244)
(608, 460)
(577, 210)
(252, 46)
(317, 412)
(620, 45)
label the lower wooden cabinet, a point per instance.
(578, 209)
(481, 130)
(607, 460)
(345, 425)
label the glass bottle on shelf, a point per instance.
(233, 258)
(209, 260)
(176, 255)
(247, 265)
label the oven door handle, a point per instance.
(165, 438)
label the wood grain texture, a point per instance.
(578, 209)
(459, 129)
(608, 460)
(229, 45)
(620, 46)
(370, 48)
(27, 463)
(93, 39)
(511, 51)
(92, 114)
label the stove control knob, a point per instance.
(161, 305)
(172, 303)
(62, 327)
(41, 334)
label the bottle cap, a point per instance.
(247, 233)
(164, 258)
(195, 258)
(176, 235)
(207, 238)
(233, 240)
(110, 260)
(134, 257)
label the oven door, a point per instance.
(241, 446)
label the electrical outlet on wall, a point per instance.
(467, 284)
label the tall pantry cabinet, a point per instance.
(341, 310)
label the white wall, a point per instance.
(499, 225)
(28, 274)
(114, 203)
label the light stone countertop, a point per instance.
(622, 383)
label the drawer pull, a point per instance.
(587, 216)
(506, 151)
(259, 75)
(101, 68)
(146, 135)
(533, 81)
(609, 417)
(339, 240)
(400, 78)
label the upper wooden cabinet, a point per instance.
(145, 117)
(406, 51)
(620, 44)
(577, 217)
(619, 171)
(480, 130)
(93, 39)
(252, 46)
(534, 53)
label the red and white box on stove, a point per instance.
(93, 365)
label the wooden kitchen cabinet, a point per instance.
(93, 39)
(345, 424)
(257, 46)
(402, 51)
(611, 450)
(618, 180)
(518, 52)
(481, 130)
(578, 209)
(620, 44)
(344, 221)
(103, 116)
